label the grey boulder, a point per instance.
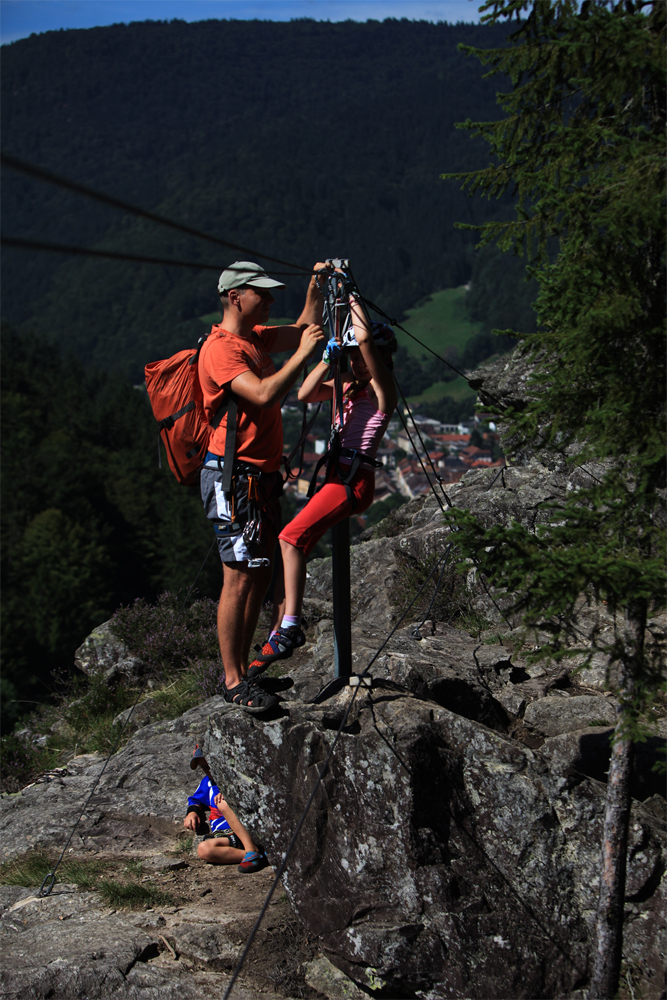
(440, 858)
(102, 653)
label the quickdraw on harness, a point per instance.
(231, 471)
(336, 287)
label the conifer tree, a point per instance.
(582, 146)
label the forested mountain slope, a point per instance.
(301, 139)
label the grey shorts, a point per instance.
(244, 537)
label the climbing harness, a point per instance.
(336, 288)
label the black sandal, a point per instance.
(249, 697)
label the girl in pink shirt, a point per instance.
(368, 403)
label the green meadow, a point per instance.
(458, 389)
(439, 321)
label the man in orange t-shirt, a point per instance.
(236, 357)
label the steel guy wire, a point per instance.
(394, 322)
(414, 448)
(426, 451)
(50, 178)
(432, 487)
(320, 776)
(50, 878)
(20, 244)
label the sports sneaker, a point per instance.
(253, 861)
(279, 647)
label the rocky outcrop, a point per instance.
(71, 944)
(102, 653)
(440, 858)
(452, 849)
(140, 800)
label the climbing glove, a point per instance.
(331, 352)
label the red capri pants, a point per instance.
(329, 506)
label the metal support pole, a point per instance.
(340, 552)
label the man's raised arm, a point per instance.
(265, 392)
(288, 337)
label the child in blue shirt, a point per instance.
(231, 843)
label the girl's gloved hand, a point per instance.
(331, 352)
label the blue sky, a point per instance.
(20, 18)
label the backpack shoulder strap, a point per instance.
(230, 440)
(229, 406)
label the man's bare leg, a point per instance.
(238, 611)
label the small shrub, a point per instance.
(155, 634)
(451, 602)
(21, 760)
(184, 843)
(90, 716)
(183, 693)
(210, 679)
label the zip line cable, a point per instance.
(20, 244)
(14, 163)
(320, 776)
(50, 879)
(47, 176)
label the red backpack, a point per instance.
(177, 400)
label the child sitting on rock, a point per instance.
(368, 403)
(229, 842)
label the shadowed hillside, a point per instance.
(301, 140)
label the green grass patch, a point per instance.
(130, 896)
(459, 389)
(210, 319)
(30, 869)
(88, 874)
(440, 321)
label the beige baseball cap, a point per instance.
(244, 272)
